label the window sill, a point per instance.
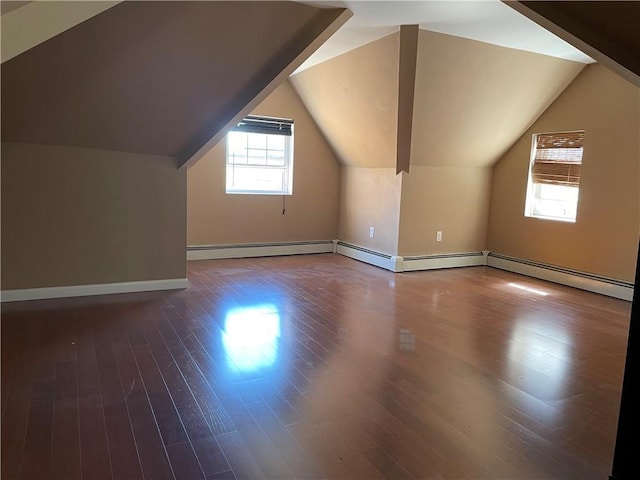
(247, 192)
(557, 219)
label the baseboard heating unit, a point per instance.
(247, 250)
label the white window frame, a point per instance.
(235, 186)
(537, 206)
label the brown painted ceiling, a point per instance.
(152, 77)
(8, 6)
(612, 27)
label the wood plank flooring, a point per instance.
(315, 366)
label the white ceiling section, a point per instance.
(489, 21)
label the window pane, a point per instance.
(276, 142)
(556, 201)
(255, 179)
(237, 159)
(257, 157)
(555, 209)
(554, 176)
(237, 147)
(275, 157)
(257, 140)
(557, 192)
(258, 163)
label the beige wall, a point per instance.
(454, 200)
(354, 100)
(76, 216)
(214, 218)
(604, 238)
(473, 99)
(370, 197)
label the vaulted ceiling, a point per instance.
(169, 77)
(608, 31)
(27, 24)
(472, 99)
(488, 21)
(354, 100)
(156, 77)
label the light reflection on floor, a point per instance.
(528, 289)
(544, 348)
(250, 337)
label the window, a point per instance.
(260, 156)
(554, 176)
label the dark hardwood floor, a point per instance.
(315, 367)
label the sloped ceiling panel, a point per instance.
(151, 77)
(27, 24)
(609, 31)
(473, 100)
(9, 6)
(354, 100)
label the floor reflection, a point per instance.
(544, 351)
(316, 367)
(407, 340)
(528, 289)
(250, 337)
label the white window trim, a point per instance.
(287, 188)
(531, 197)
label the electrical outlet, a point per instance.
(372, 232)
(438, 236)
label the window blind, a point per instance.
(558, 158)
(268, 125)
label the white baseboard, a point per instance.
(411, 264)
(382, 260)
(593, 283)
(449, 260)
(215, 252)
(86, 290)
(564, 276)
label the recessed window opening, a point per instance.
(554, 176)
(260, 156)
